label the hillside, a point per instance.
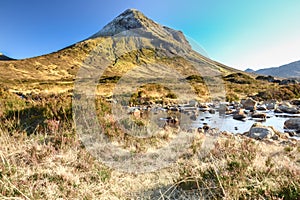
(130, 39)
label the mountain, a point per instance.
(4, 57)
(129, 40)
(291, 70)
(249, 70)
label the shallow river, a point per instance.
(227, 123)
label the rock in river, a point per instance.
(288, 108)
(258, 131)
(249, 104)
(239, 114)
(259, 115)
(292, 124)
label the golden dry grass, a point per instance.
(52, 166)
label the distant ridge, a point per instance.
(291, 70)
(4, 57)
(249, 70)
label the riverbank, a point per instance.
(42, 156)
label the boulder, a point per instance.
(272, 106)
(203, 107)
(288, 108)
(249, 104)
(174, 109)
(292, 124)
(258, 131)
(193, 103)
(206, 127)
(239, 114)
(239, 117)
(296, 102)
(277, 110)
(259, 115)
(212, 111)
(262, 107)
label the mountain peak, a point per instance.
(132, 22)
(132, 14)
(130, 19)
(131, 10)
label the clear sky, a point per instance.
(238, 33)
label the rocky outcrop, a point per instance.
(288, 81)
(239, 78)
(270, 79)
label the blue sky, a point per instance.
(240, 34)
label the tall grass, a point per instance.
(41, 157)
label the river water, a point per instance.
(227, 123)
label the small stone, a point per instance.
(206, 127)
(275, 137)
(193, 117)
(212, 111)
